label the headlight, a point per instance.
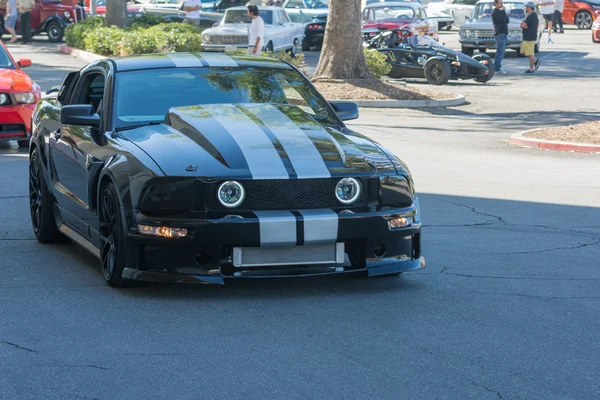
(4, 99)
(231, 194)
(67, 14)
(347, 190)
(26, 98)
(162, 231)
(465, 33)
(206, 38)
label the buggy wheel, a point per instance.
(437, 72)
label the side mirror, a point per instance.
(80, 114)
(24, 62)
(345, 110)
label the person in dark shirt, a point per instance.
(500, 20)
(530, 35)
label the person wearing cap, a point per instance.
(530, 26)
(547, 10)
(256, 32)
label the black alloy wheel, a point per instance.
(112, 256)
(437, 72)
(41, 206)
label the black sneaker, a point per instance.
(529, 71)
(537, 64)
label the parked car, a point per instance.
(581, 13)
(232, 32)
(596, 31)
(444, 21)
(314, 32)
(305, 10)
(478, 32)
(175, 172)
(422, 57)
(133, 7)
(172, 11)
(48, 16)
(18, 97)
(459, 10)
(378, 17)
(222, 5)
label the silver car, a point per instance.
(478, 32)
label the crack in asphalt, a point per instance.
(474, 210)
(445, 268)
(84, 366)
(580, 246)
(483, 386)
(16, 346)
(532, 296)
(153, 354)
(86, 398)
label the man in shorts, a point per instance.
(547, 10)
(256, 32)
(530, 27)
(11, 19)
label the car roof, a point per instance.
(394, 4)
(183, 60)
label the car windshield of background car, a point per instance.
(394, 13)
(423, 40)
(317, 4)
(514, 11)
(242, 17)
(5, 60)
(146, 96)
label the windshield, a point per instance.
(147, 96)
(317, 3)
(514, 11)
(5, 62)
(242, 17)
(422, 40)
(397, 12)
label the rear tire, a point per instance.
(55, 32)
(41, 205)
(112, 241)
(437, 72)
(467, 51)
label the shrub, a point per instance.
(377, 63)
(177, 37)
(138, 42)
(103, 40)
(76, 33)
(146, 21)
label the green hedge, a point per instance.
(377, 63)
(146, 34)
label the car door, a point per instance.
(569, 12)
(289, 30)
(294, 9)
(69, 150)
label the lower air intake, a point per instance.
(290, 255)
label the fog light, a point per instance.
(162, 231)
(400, 222)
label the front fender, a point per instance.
(53, 18)
(440, 58)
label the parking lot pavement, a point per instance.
(508, 308)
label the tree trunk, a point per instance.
(116, 13)
(342, 53)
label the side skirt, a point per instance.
(79, 239)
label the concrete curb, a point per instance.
(518, 139)
(457, 101)
(83, 55)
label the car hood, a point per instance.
(14, 80)
(389, 24)
(229, 29)
(258, 141)
(487, 24)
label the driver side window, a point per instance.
(91, 90)
(294, 4)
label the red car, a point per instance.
(377, 17)
(596, 31)
(18, 97)
(132, 7)
(582, 13)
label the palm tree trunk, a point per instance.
(116, 13)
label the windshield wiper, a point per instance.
(126, 128)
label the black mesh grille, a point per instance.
(292, 194)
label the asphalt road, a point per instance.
(508, 307)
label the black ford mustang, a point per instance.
(422, 57)
(198, 167)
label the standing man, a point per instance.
(500, 20)
(192, 12)
(11, 19)
(530, 26)
(257, 32)
(559, 6)
(25, 7)
(547, 10)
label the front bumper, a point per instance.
(205, 256)
(315, 37)
(15, 122)
(222, 47)
(488, 44)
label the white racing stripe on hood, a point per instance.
(219, 60)
(277, 228)
(183, 60)
(261, 155)
(320, 226)
(303, 154)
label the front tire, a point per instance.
(294, 48)
(112, 242)
(437, 72)
(269, 47)
(41, 206)
(55, 32)
(583, 20)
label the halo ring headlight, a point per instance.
(347, 190)
(231, 194)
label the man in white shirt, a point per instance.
(256, 32)
(559, 6)
(547, 10)
(192, 12)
